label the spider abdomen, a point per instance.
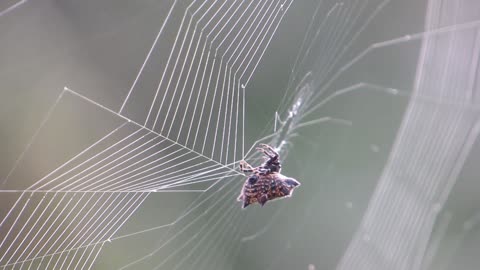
(265, 182)
(266, 187)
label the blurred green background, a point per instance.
(96, 47)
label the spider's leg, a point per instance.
(263, 170)
(245, 167)
(272, 162)
(269, 149)
(266, 153)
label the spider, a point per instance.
(265, 182)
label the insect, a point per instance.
(265, 182)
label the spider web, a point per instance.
(146, 178)
(64, 219)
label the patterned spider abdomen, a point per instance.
(265, 187)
